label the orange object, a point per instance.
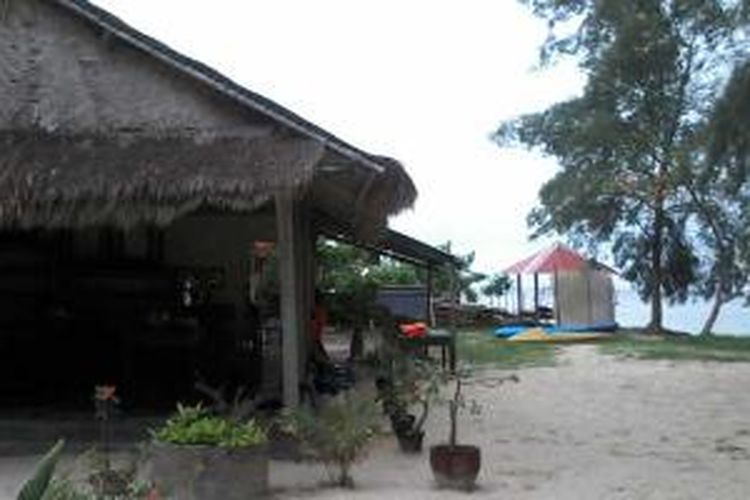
(413, 330)
(319, 321)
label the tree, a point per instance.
(354, 273)
(630, 144)
(497, 286)
(721, 196)
(465, 277)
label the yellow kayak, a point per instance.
(539, 335)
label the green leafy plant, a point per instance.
(338, 434)
(237, 407)
(195, 425)
(45, 484)
(409, 382)
(36, 487)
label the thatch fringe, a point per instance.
(124, 179)
(394, 191)
(390, 193)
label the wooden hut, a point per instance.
(135, 182)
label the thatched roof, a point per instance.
(54, 180)
(118, 28)
(393, 191)
(89, 177)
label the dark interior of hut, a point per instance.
(69, 323)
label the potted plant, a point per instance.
(198, 455)
(412, 382)
(104, 479)
(456, 465)
(338, 434)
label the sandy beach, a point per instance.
(590, 427)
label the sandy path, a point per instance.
(593, 427)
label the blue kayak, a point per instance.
(507, 331)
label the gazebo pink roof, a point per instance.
(557, 257)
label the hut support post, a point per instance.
(589, 298)
(305, 256)
(536, 296)
(519, 295)
(430, 310)
(557, 297)
(290, 243)
(455, 301)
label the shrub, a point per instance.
(339, 433)
(37, 486)
(194, 425)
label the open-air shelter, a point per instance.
(582, 288)
(136, 183)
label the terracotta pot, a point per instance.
(455, 467)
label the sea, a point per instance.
(631, 311)
(734, 318)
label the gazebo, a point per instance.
(582, 288)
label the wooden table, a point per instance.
(435, 337)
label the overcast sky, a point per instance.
(423, 81)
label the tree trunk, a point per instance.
(656, 324)
(713, 315)
(356, 346)
(453, 413)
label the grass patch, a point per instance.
(729, 349)
(479, 347)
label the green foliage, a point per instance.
(339, 433)
(415, 380)
(194, 425)
(64, 489)
(45, 485)
(348, 280)
(465, 277)
(720, 193)
(679, 264)
(351, 276)
(497, 285)
(729, 141)
(410, 381)
(634, 145)
(37, 486)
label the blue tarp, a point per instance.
(510, 330)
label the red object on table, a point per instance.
(413, 330)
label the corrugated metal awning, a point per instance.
(390, 243)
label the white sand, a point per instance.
(592, 427)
